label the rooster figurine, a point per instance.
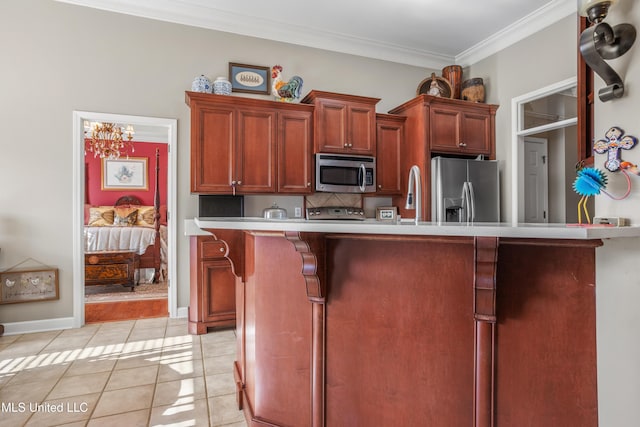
(285, 92)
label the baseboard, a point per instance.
(44, 325)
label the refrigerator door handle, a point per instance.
(465, 202)
(472, 200)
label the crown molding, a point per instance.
(193, 14)
(519, 30)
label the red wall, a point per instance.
(93, 169)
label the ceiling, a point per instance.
(424, 33)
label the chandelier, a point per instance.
(107, 140)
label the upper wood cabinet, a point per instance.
(390, 137)
(254, 155)
(249, 146)
(295, 156)
(441, 126)
(458, 129)
(343, 123)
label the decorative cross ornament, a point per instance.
(612, 145)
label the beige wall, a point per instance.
(618, 278)
(545, 58)
(58, 58)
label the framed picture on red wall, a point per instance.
(125, 174)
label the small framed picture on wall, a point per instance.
(125, 174)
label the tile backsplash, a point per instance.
(319, 200)
(254, 204)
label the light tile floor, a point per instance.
(148, 372)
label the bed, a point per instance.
(131, 227)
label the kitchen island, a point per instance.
(344, 323)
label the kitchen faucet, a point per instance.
(414, 183)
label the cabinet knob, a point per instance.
(380, 186)
(221, 249)
(233, 182)
(462, 144)
(308, 184)
(239, 182)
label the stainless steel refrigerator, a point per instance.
(465, 190)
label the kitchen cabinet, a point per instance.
(460, 130)
(237, 144)
(441, 126)
(212, 285)
(295, 156)
(320, 328)
(389, 141)
(343, 123)
(254, 156)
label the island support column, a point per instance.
(312, 248)
(484, 312)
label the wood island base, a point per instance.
(374, 330)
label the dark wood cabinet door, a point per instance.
(476, 133)
(218, 291)
(212, 145)
(361, 126)
(255, 151)
(445, 129)
(389, 140)
(295, 157)
(331, 133)
(212, 294)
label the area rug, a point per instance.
(106, 293)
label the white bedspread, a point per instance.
(118, 239)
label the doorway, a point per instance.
(157, 132)
(536, 179)
(547, 114)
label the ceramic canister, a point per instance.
(222, 86)
(473, 90)
(201, 84)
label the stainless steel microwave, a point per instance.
(340, 173)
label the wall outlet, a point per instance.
(297, 212)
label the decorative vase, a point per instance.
(222, 86)
(201, 84)
(453, 74)
(473, 90)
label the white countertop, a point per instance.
(409, 228)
